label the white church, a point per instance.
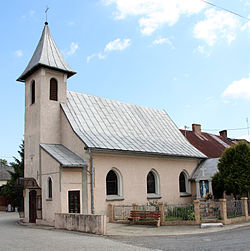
(83, 152)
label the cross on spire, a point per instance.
(46, 12)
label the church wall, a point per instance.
(50, 168)
(71, 181)
(72, 141)
(134, 171)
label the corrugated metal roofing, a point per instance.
(211, 145)
(206, 169)
(48, 55)
(63, 155)
(106, 124)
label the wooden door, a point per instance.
(74, 201)
(32, 206)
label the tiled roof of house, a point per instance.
(47, 55)
(4, 172)
(210, 144)
(63, 155)
(105, 124)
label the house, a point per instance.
(83, 152)
(4, 178)
(212, 146)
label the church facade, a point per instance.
(83, 152)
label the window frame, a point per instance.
(119, 194)
(49, 190)
(53, 89)
(157, 193)
(187, 184)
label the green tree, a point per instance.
(234, 171)
(11, 190)
(3, 162)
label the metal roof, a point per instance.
(206, 170)
(4, 172)
(112, 125)
(47, 55)
(63, 155)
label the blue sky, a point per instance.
(184, 56)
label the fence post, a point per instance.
(134, 208)
(245, 207)
(111, 212)
(197, 213)
(223, 210)
(161, 209)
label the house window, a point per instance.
(53, 89)
(182, 183)
(153, 185)
(32, 92)
(111, 183)
(114, 185)
(74, 201)
(49, 188)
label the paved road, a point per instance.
(236, 239)
(16, 237)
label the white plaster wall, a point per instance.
(134, 170)
(71, 181)
(50, 167)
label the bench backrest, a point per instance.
(145, 214)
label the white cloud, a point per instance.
(115, 45)
(153, 14)
(73, 48)
(238, 89)
(164, 41)
(202, 50)
(217, 25)
(18, 53)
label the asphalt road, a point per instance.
(16, 237)
(236, 239)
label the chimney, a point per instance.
(196, 128)
(223, 133)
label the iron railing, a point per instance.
(234, 208)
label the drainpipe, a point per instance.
(91, 182)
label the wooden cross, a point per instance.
(47, 8)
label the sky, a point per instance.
(187, 57)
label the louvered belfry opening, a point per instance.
(53, 89)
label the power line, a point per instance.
(231, 129)
(227, 10)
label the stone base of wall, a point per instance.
(45, 223)
(95, 224)
(179, 223)
(237, 220)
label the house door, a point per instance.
(74, 201)
(32, 206)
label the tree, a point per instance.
(234, 171)
(3, 162)
(10, 190)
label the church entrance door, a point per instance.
(32, 206)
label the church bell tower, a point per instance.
(45, 80)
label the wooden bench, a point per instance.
(145, 217)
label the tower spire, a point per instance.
(46, 13)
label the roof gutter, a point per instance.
(91, 182)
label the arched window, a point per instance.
(182, 183)
(151, 183)
(111, 183)
(53, 89)
(32, 92)
(49, 188)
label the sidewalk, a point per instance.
(115, 229)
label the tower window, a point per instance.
(33, 92)
(53, 89)
(49, 188)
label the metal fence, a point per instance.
(122, 212)
(234, 208)
(179, 212)
(210, 209)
